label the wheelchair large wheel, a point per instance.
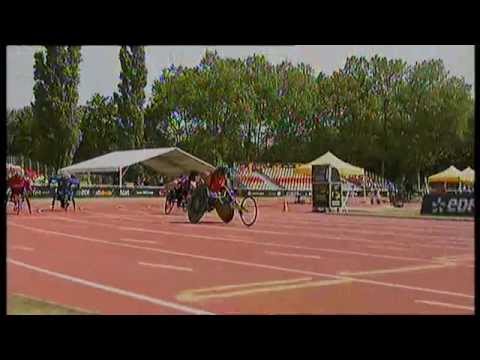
(169, 204)
(248, 211)
(184, 204)
(225, 211)
(198, 205)
(17, 204)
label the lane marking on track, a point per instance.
(217, 238)
(328, 237)
(295, 224)
(249, 264)
(214, 289)
(395, 243)
(453, 306)
(303, 256)
(24, 248)
(372, 272)
(138, 241)
(179, 268)
(465, 257)
(267, 287)
(392, 248)
(397, 270)
(112, 289)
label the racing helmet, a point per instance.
(221, 170)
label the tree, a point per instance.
(438, 110)
(381, 114)
(19, 132)
(98, 128)
(56, 121)
(131, 97)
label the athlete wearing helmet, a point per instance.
(217, 183)
(20, 185)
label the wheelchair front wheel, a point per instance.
(248, 211)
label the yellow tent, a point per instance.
(468, 175)
(345, 169)
(450, 175)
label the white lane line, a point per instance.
(304, 256)
(453, 306)
(310, 235)
(112, 289)
(373, 272)
(24, 248)
(464, 257)
(422, 233)
(179, 268)
(398, 270)
(392, 248)
(248, 264)
(218, 238)
(138, 241)
(381, 242)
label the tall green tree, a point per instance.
(55, 112)
(130, 99)
(19, 132)
(98, 128)
(438, 109)
(381, 114)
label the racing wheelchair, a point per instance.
(18, 197)
(202, 201)
(64, 192)
(175, 197)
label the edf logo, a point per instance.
(438, 206)
(455, 205)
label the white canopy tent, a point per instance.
(166, 161)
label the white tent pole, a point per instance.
(120, 175)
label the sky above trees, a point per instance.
(100, 68)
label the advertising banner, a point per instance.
(461, 204)
(102, 192)
(261, 193)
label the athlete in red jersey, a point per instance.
(218, 181)
(217, 184)
(17, 184)
(20, 187)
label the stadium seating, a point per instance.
(284, 176)
(253, 180)
(265, 177)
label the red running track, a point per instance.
(124, 256)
